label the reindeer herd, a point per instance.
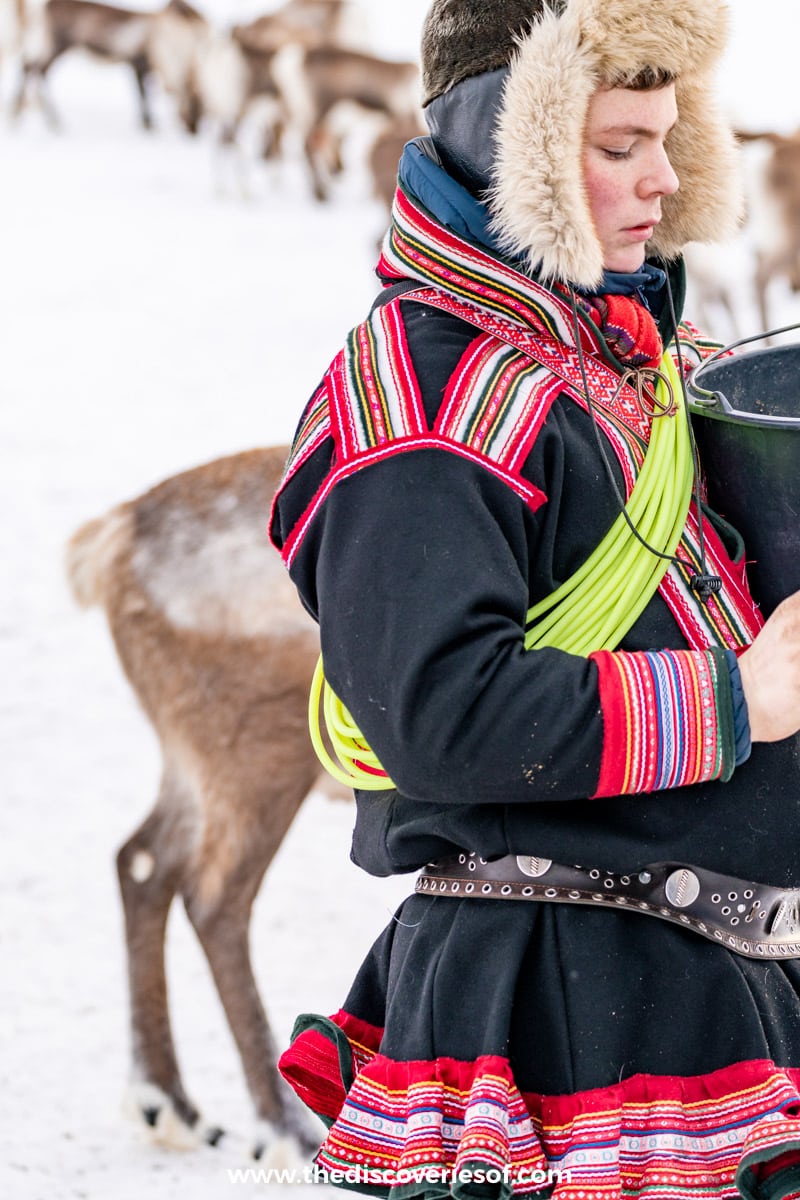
(299, 71)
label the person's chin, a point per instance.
(626, 261)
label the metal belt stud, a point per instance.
(682, 888)
(787, 920)
(534, 867)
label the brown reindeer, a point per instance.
(231, 80)
(220, 653)
(322, 79)
(234, 71)
(177, 33)
(117, 35)
(307, 22)
(778, 232)
(769, 247)
(222, 75)
(728, 279)
(291, 59)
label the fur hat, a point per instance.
(464, 39)
(559, 53)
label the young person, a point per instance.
(536, 678)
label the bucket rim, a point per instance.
(713, 403)
(720, 409)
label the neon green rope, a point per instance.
(592, 610)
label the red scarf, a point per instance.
(628, 327)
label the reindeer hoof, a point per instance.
(169, 1121)
(214, 1135)
(279, 1148)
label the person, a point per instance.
(563, 706)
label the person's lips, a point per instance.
(641, 232)
(646, 226)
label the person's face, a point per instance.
(626, 169)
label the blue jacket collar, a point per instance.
(449, 202)
(647, 285)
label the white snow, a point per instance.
(148, 323)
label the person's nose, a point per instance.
(661, 179)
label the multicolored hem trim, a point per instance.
(446, 1127)
(667, 717)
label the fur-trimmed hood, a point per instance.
(538, 201)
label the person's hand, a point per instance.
(770, 671)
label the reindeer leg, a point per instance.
(37, 71)
(272, 140)
(223, 934)
(190, 111)
(314, 151)
(238, 158)
(335, 155)
(148, 882)
(18, 103)
(141, 69)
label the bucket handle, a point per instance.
(707, 399)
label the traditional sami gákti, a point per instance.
(629, 1026)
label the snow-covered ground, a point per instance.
(148, 323)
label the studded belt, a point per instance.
(750, 918)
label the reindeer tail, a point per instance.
(91, 553)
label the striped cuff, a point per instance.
(667, 719)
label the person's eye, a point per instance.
(617, 155)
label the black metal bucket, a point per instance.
(746, 419)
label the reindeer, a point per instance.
(776, 217)
(114, 34)
(728, 280)
(117, 35)
(230, 81)
(234, 71)
(220, 653)
(177, 35)
(323, 78)
(306, 22)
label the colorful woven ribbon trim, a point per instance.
(665, 1137)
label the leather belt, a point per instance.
(749, 918)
